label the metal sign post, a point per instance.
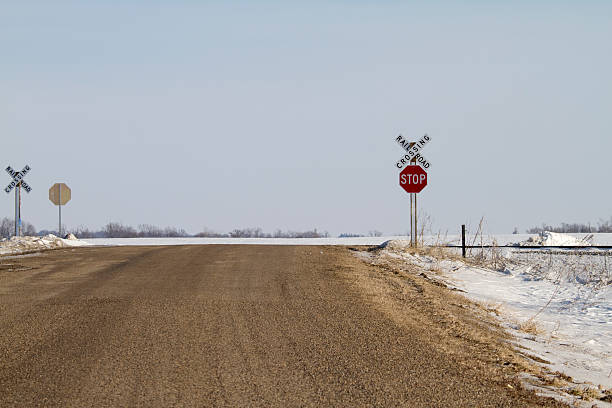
(17, 183)
(17, 210)
(60, 194)
(416, 230)
(413, 177)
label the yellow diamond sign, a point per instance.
(59, 194)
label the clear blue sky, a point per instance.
(284, 114)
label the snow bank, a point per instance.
(395, 244)
(17, 245)
(548, 238)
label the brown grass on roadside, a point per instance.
(486, 258)
(607, 395)
(552, 380)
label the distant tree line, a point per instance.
(351, 235)
(258, 233)
(601, 226)
(7, 228)
(119, 230)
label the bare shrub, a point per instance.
(28, 229)
(151, 231)
(248, 233)
(206, 233)
(83, 232)
(531, 327)
(602, 227)
(118, 230)
(7, 228)
(585, 393)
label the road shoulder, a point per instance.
(458, 328)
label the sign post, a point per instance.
(60, 194)
(18, 211)
(18, 182)
(413, 178)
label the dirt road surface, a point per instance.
(237, 326)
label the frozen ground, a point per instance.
(557, 303)
(19, 245)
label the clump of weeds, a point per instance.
(585, 393)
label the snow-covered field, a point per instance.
(557, 303)
(598, 239)
(508, 239)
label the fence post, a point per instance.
(463, 240)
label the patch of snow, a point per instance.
(547, 238)
(507, 239)
(577, 323)
(395, 244)
(18, 245)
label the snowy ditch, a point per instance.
(556, 303)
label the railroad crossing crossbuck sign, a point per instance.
(18, 178)
(18, 183)
(413, 152)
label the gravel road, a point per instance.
(222, 326)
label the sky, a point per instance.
(283, 115)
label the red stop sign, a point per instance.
(413, 179)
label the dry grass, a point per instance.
(531, 327)
(495, 308)
(491, 258)
(435, 251)
(553, 381)
(585, 393)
